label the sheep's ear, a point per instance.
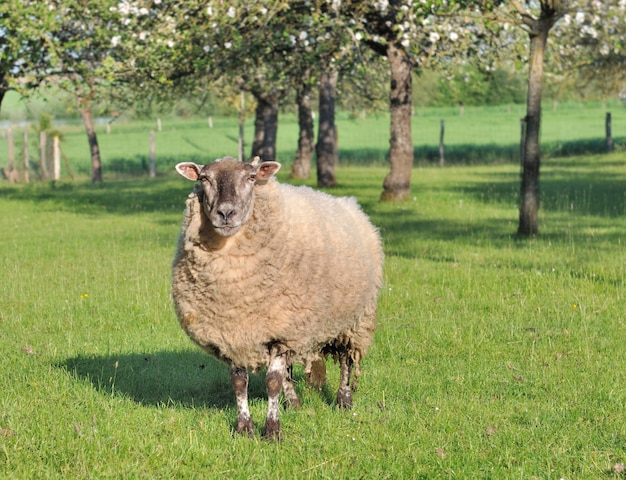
(266, 170)
(189, 170)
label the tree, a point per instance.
(326, 149)
(410, 35)
(590, 43)
(301, 166)
(538, 25)
(82, 60)
(24, 44)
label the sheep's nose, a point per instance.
(225, 212)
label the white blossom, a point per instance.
(580, 17)
(227, 45)
(232, 12)
(454, 36)
(115, 41)
(434, 37)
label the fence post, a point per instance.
(26, 161)
(56, 158)
(11, 172)
(152, 155)
(441, 145)
(42, 155)
(609, 136)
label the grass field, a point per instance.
(494, 358)
(482, 135)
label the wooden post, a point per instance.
(56, 158)
(42, 155)
(441, 144)
(152, 155)
(210, 122)
(159, 124)
(609, 135)
(11, 173)
(26, 160)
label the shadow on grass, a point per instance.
(599, 193)
(479, 154)
(125, 197)
(190, 379)
(187, 378)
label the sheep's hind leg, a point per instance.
(291, 397)
(274, 379)
(344, 394)
(239, 379)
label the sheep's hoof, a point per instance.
(272, 432)
(344, 398)
(245, 427)
(293, 402)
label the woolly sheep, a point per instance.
(268, 274)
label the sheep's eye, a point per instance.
(252, 177)
(203, 179)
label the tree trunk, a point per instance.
(301, 167)
(529, 194)
(327, 150)
(265, 126)
(240, 116)
(259, 128)
(397, 184)
(92, 138)
(271, 130)
(3, 91)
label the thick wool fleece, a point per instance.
(304, 272)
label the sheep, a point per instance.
(269, 274)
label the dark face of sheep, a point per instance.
(228, 189)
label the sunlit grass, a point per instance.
(495, 357)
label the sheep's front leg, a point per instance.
(239, 379)
(344, 394)
(274, 379)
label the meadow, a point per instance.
(495, 357)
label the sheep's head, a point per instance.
(228, 189)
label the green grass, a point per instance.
(494, 358)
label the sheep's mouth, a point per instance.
(226, 230)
